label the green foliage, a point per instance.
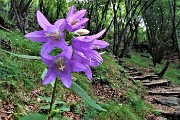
(115, 111)
(8, 68)
(19, 44)
(23, 56)
(53, 9)
(34, 117)
(137, 104)
(76, 88)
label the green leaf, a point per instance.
(46, 107)
(59, 102)
(64, 108)
(44, 73)
(85, 96)
(34, 117)
(57, 117)
(1, 63)
(23, 56)
(47, 99)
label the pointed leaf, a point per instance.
(34, 117)
(64, 108)
(23, 56)
(46, 107)
(85, 96)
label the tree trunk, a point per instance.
(167, 64)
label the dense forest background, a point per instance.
(149, 26)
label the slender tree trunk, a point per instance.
(163, 71)
(115, 27)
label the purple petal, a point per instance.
(80, 57)
(71, 11)
(43, 22)
(76, 66)
(95, 57)
(37, 36)
(50, 76)
(61, 24)
(88, 72)
(62, 44)
(97, 44)
(81, 42)
(47, 59)
(69, 28)
(78, 15)
(65, 77)
(47, 48)
(79, 24)
(98, 34)
(67, 52)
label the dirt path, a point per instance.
(162, 94)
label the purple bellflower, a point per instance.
(75, 21)
(85, 51)
(61, 65)
(80, 56)
(51, 34)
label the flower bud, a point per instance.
(82, 31)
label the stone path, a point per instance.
(162, 94)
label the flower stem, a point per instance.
(52, 98)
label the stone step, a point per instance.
(145, 77)
(155, 82)
(164, 110)
(165, 91)
(168, 101)
(135, 73)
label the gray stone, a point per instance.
(169, 101)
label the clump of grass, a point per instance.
(19, 44)
(9, 70)
(115, 111)
(137, 104)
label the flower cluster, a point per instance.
(80, 55)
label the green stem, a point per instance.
(52, 99)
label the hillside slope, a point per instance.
(110, 87)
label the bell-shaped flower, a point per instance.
(61, 66)
(85, 51)
(51, 34)
(83, 43)
(81, 58)
(75, 20)
(82, 32)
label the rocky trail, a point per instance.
(162, 94)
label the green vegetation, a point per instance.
(19, 77)
(150, 27)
